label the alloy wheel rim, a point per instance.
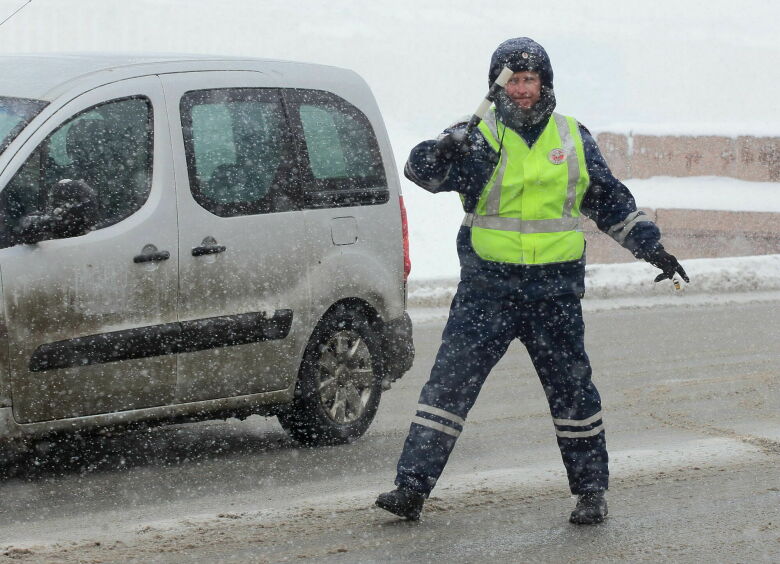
(346, 376)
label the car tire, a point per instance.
(339, 383)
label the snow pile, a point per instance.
(431, 293)
(724, 275)
(733, 275)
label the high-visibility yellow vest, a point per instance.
(529, 210)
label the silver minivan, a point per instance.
(193, 238)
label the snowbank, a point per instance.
(724, 275)
(737, 275)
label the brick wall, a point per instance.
(695, 233)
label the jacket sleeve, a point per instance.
(610, 204)
(466, 176)
(427, 171)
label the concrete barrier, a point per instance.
(697, 234)
(643, 156)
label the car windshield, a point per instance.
(15, 113)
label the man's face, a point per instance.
(524, 88)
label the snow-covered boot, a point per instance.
(591, 508)
(402, 502)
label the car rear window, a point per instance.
(342, 162)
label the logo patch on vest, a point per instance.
(556, 156)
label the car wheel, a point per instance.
(339, 384)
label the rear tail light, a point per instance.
(405, 233)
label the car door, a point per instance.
(243, 289)
(89, 316)
(353, 241)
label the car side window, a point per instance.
(343, 162)
(108, 146)
(239, 154)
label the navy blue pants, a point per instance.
(481, 325)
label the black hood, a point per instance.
(523, 54)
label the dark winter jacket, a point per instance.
(607, 201)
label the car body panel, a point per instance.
(64, 289)
(261, 270)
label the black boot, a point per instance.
(591, 508)
(403, 502)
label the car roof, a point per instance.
(43, 76)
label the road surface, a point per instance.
(692, 403)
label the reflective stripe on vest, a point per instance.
(522, 225)
(528, 212)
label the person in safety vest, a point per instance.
(526, 177)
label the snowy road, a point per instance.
(692, 397)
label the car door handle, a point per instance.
(154, 256)
(208, 250)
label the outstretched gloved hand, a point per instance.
(668, 264)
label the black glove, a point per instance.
(659, 258)
(453, 146)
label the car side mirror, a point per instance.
(71, 210)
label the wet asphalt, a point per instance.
(692, 403)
